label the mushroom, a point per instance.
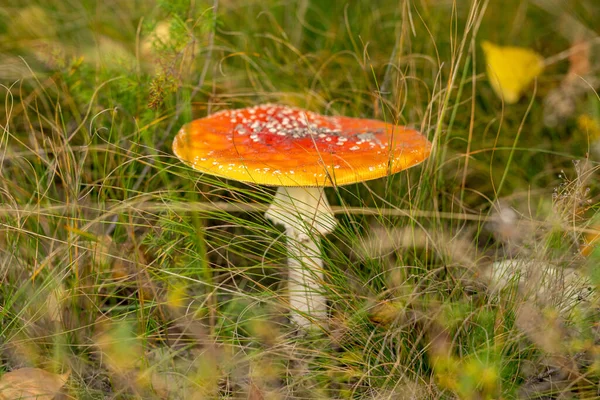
(300, 152)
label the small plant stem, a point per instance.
(305, 278)
(456, 104)
(563, 55)
(471, 125)
(514, 146)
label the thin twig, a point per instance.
(563, 55)
(146, 206)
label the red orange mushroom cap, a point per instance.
(284, 146)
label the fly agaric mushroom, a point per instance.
(300, 152)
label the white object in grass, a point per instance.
(306, 216)
(563, 288)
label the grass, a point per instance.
(147, 279)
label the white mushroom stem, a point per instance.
(306, 215)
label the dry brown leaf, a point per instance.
(561, 102)
(579, 59)
(31, 383)
(255, 392)
(591, 241)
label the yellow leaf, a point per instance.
(386, 312)
(589, 126)
(31, 383)
(511, 69)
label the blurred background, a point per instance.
(125, 274)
